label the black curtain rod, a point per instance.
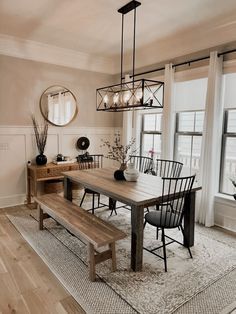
(183, 63)
(67, 91)
(226, 52)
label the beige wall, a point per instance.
(23, 81)
(21, 84)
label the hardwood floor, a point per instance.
(26, 283)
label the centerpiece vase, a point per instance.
(131, 173)
(41, 159)
(119, 174)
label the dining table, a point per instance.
(143, 193)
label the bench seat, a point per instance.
(79, 222)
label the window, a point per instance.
(228, 155)
(151, 135)
(228, 168)
(188, 141)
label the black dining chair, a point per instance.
(95, 161)
(171, 210)
(168, 168)
(142, 163)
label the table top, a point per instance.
(146, 191)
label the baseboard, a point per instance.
(228, 223)
(12, 200)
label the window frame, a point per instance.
(225, 135)
(186, 133)
(142, 133)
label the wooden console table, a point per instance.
(50, 171)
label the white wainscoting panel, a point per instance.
(225, 212)
(17, 146)
(12, 157)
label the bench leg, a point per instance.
(91, 256)
(41, 216)
(113, 255)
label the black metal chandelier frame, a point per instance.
(135, 94)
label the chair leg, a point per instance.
(112, 206)
(98, 199)
(190, 253)
(82, 199)
(93, 204)
(147, 210)
(157, 232)
(164, 248)
(144, 225)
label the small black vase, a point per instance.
(119, 175)
(41, 160)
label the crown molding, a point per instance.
(31, 50)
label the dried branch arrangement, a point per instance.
(41, 133)
(117, 151)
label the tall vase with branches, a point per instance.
(120, 153)
(41, 134)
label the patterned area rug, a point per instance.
(152, 290)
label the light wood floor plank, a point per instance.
(26, 283)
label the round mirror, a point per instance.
(58, 105)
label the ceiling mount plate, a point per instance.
(129, 7)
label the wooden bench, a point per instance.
(81, 223)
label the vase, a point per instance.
(41, 160)
(131, 173)
(119, 175)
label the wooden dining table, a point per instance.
(145, 192)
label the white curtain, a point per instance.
(168, 118)
(211, 143)
(53, 108)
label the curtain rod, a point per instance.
(55, 94)
(182, 63)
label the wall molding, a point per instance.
(12, 200)
(225, 222)
(60, 140)
(225, 212)
(35, 51)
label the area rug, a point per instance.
(149, 291)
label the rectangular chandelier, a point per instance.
(137, 94)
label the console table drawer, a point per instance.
(51, 172)
(75, 167)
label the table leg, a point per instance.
(28, 190)
(68, 189)
(189, 219)
(137, 238)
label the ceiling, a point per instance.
(94, 26)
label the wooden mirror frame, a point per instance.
(42, 104)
